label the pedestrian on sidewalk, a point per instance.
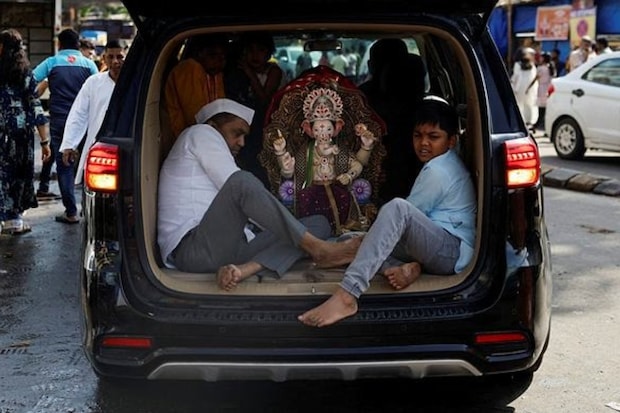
(581, 54)
(525, 87)
(545, 71)
(65, 73)
(89, 108)
(20, 113)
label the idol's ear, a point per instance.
(338, 125)
(306, 127)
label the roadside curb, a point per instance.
(579, 181)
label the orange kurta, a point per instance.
(188, 89)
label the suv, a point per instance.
(145, 321)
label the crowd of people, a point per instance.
(533, 70)
(79, 93)
(216, 98)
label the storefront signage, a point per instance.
(582, 23)
(552, 23)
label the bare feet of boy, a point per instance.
(338, 253)
(404, 275)
(337, 307)
(229, 276)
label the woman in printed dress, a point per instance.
(20, 112)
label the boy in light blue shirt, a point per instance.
(432, 230)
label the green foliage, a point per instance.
(102, 10)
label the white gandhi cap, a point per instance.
(224, 105)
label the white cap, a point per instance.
(435, 98)
(224, 105)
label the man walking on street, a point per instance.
(89, 108)
(64, 74)
(581, 54)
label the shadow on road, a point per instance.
(387, 395)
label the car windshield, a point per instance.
(607, 73)
(295, 53)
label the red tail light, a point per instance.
(550, 90)
(522, 163)
(101, 171)
(500, 338)
(127, 342)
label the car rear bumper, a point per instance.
(279, 372)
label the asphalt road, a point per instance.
(43, 370)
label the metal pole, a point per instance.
(57, 22)
(509, 34)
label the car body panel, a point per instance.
(141, 10)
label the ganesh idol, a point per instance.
(322, 149)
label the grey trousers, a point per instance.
(219, 239)
(400, 234)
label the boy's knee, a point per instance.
(396, 206)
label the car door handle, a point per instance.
(578, 92)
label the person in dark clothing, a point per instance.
(382, 52)
(560, 66)
(20, 113)
(252, 80)
(64, 74)
(402, 88)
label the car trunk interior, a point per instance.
(303, 278)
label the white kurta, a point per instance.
(86, 115)
(526, 95)
(193, 173)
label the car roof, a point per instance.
(188, 8)
(141, 10)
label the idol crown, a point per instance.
(322, 104)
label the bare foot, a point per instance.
(337, 307)
(404, 275)
(337, 254)
(230, 275)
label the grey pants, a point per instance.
(400, 234)
(219, 239)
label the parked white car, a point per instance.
(583, 109)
